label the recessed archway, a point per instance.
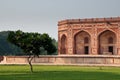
(107, 42)
(82, 43)
(63, 49)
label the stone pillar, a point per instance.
(118, 40)
(70, 40)
(59, 42)
(94, 41)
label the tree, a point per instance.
(31, 43)
(6, 48)
(56, 45)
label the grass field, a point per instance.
(17, 72)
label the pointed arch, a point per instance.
(63, 49)
(81, 31)
(106, 30)
(107, 42)
(82, 43)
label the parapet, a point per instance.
(89, 20)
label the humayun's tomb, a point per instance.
(95, 36)
(91, 42)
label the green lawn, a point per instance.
(17, 72)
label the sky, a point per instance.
(42, 16)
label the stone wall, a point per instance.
(65, 60)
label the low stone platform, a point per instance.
(88, 60)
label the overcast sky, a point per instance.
(42, 15)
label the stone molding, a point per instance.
(90, 20)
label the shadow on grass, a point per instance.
(60, 75)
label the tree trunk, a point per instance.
(30, 58)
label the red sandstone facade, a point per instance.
(96, 36)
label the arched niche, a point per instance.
(82, 43)
(63, 49)
(107, 43)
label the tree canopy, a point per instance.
(32, 43)
(7, 48)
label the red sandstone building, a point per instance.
(96, 36)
